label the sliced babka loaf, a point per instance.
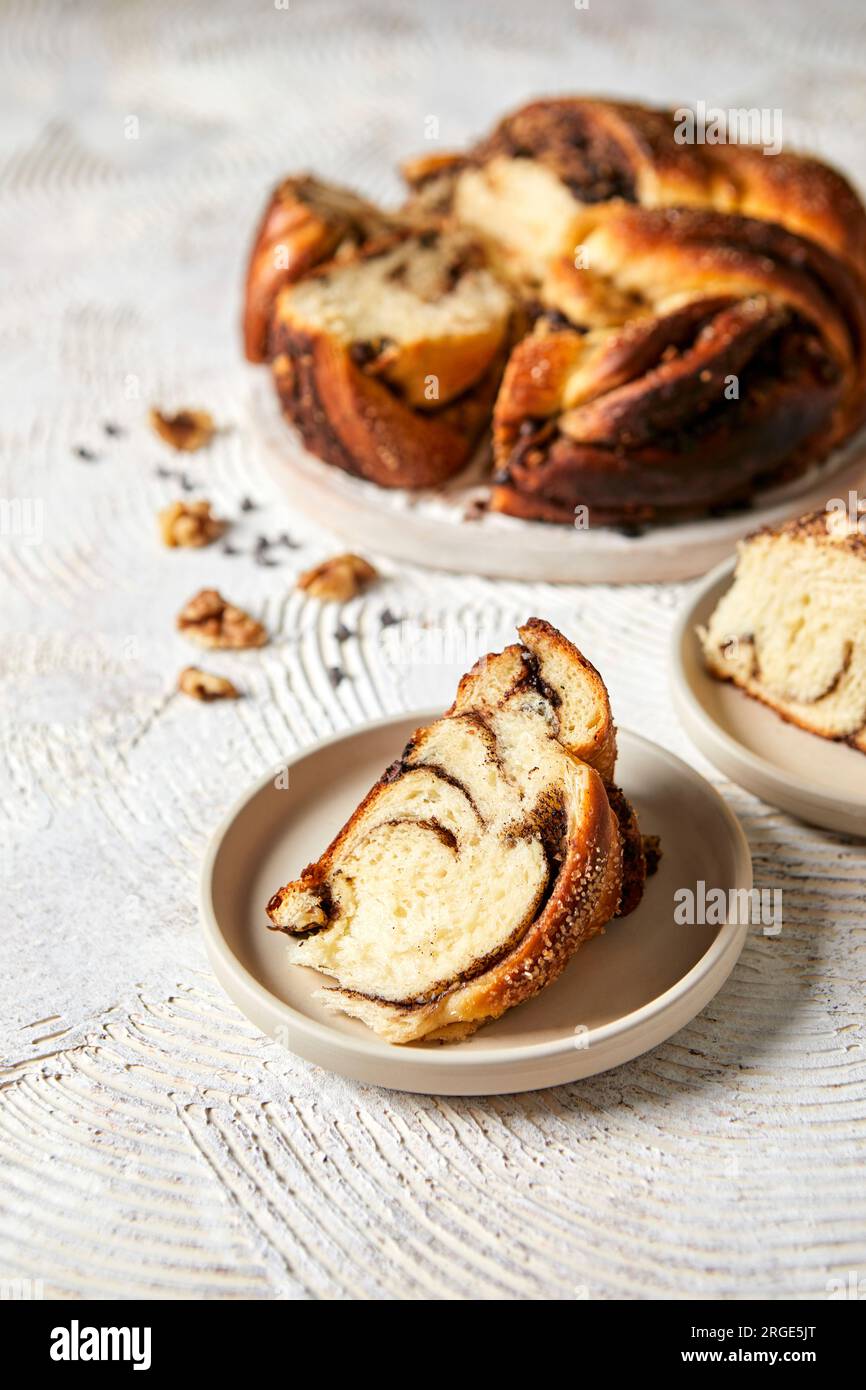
(484, 856)
(388, 361)
(791, 630)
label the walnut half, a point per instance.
(338, 579)
(189, 524)
(186, 431)
(210, 621)
(204, 685)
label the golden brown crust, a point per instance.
(498, 678)
(687, 408)
(351, 419)
(829, 526)
(304, 224)
(610, 150)
(755, 691)
(802, 194)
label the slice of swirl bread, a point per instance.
(790, 630)
(484, 856)
(388, 360)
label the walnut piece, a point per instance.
(209, 621)
(187, 431)
(189, 524)
(338, 579)
(204, 685)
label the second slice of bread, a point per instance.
(789, 631)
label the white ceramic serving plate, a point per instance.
(431, 527)
(818, 781)
(623, 993)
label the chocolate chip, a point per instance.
(262, 554)
(86, 455)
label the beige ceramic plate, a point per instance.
(430, 527)
(818, 781)
(623, 993)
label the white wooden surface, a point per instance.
(152, 1143)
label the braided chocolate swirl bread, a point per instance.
(683, 324)
(484, 856)
(386, 337)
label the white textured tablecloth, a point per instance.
(152, 1143)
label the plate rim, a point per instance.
(688, 706)
(727, 944)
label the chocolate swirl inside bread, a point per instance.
(482, 858)
(790, 629)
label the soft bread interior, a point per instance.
(427, 890)
(790, 630)
(436, 878)
(541, 240)
(522, 212)
(424, 314)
